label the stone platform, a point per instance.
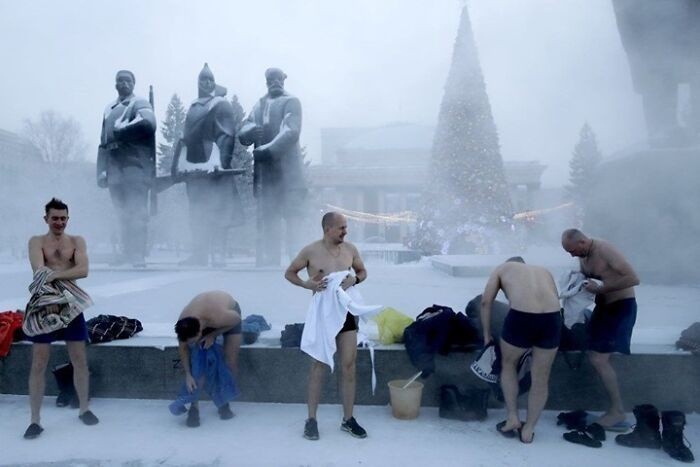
(653, 374)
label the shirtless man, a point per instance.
(615, 312)
(207, 316)
(320, 258)
(534, 321)
(66, 256)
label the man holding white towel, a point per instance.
(321, 258)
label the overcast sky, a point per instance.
(549, 65)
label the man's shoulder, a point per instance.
(37, 239)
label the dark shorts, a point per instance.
(526, 330)
(350, 323)
(238, 328)
(75, 331)
(611, 326)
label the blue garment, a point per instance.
(210, 371)
(255, 323)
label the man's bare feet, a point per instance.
(611, 418)
(509, 428)
(527, 434)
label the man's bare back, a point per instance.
(216, 309)
(605, 263)
(529, 288)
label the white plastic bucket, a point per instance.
(405, 402)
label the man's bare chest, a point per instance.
(60, 255)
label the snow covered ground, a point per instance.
(140, 433)
(157, 295)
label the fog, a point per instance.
(549, 66)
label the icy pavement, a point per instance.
(139, 433)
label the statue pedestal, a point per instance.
(648, 205)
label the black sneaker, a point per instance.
(311, 429)
(33, 431)
(225, 412)
(351, 426)
(89, 418)
(193, 417)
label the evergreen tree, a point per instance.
(582, 167)
(466, 204)
(171, 129)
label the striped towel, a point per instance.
(53, 305)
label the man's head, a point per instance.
(335, 227)
(124, 83)
(515, 259)
(188, 330)
(206, 81)
(575, 243)
(274, 79)
(56, 216)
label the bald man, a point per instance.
(533, 322)
(615, 312)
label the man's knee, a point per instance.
(599, 360)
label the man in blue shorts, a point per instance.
(66, 257)
(207, 316)
(533, 322)
(615, 312)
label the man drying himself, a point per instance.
(327, 263)
(615, 311)
(533, 322)
(57, 259)
(207, 316)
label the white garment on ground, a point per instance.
(575, 299)
(326, 316)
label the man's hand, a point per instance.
(190, 383)
(208, 341)
(348, 282)
(50, 277)
(317, 283)
(592, 287)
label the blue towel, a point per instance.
(255, 323)
(210, 371)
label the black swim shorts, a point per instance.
(611, 326)
(350, 323)
(526, 330)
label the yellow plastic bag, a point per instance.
(391, 323)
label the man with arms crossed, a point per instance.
(534, 321)
(207, 316)
(615, 312)
(320, 258)
(66, 256)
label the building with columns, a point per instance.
(379, 172)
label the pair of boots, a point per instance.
(646, 432)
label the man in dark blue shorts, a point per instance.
(66, 257)
(208, 315)
(615, 312)
(533, 322)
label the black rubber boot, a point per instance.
(646, 431)
(672, 436)
(66, 391)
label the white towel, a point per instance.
(575, 299)
(326, 316)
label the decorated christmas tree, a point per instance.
(466, 205)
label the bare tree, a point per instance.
(58, 139)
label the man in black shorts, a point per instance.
(207, 316)
(533, 322)
(615, 312)
(323, 259)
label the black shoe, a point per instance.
(225, 412)
(89, 418)
(33, 431)
(311, 429)
(575, 420)
(672, 436)
(193, 417)
(582, 438)
(596, 431)
(351, 426)
(646, 431)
